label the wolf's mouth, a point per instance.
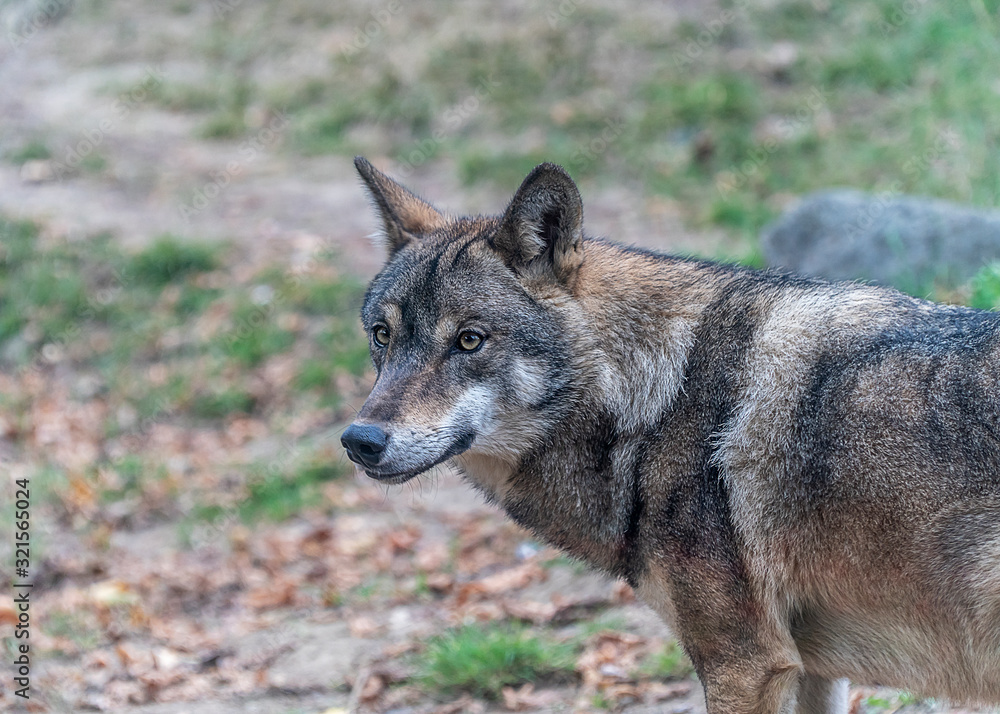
(461, 444)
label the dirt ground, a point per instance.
(290, 659)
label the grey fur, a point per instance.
(801, 477)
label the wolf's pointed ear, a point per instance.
(404, 215)
(542, 228)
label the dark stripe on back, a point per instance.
(696, 513)
(941, 354)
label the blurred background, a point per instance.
(182, 256)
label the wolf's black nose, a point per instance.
(364, 444)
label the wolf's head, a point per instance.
(469, 324)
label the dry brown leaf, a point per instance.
(8, 615)
(374, 686)
(364, 627)
(515, 578)
(280, 593)
(538, 613)
(316, 543)
(80, 496)
(622, 593)
(392, 671)
(488, 611)
(112, 592)
(465, 705)
(573, 609)
(857, 698)
(608, 658)
(432, 557)
(355, 536)
(403, 540)
(654, 692)
(621, 691)
(391, 652)
(123, 655)
(525, 698)
(440, 582)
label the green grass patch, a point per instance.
(886, 703)
(17, 244)
(280, 496)
(132, 475)
(317, 296)
(194, 300)
(276, 494)
(504, 167)
(481, 660)
(48, 484)
(344, 347)
(170, 259)
(48, 294)
(183, 97)
(154, 402)
(228, 124)
(221, 404)
(152, 328)
(603, 623)
(255, 335)
(668, 663)
(740, 213)
(45, 289)
(93, 163)
(31, 151)
(703, 100)
(77, 627)
(313, 374)
(986, 288)
(872, 95)
(129, 471)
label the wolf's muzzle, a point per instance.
(364, 444)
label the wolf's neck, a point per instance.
(633, 322)
(640, 314)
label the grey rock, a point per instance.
(910, 242)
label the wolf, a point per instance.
(801, 477)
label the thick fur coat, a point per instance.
(801, 477)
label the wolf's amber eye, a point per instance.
(380, 333)
(469, 341)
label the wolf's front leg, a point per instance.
(752, 687)
(822, 696)
(781, 688)
(746, 659)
